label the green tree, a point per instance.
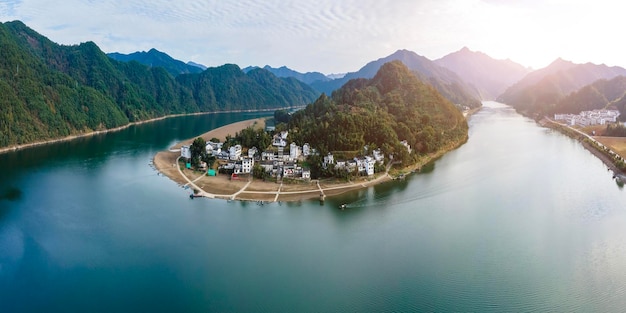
(282, 116)
(259, 172)
(198, 151)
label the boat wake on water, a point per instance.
(395, 198)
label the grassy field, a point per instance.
(599, 129)
(617, 144)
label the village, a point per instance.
(588, 118)
(282, 160)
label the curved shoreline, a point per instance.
(590, 146)
(98, 132)
(221, 187)
(250, 189)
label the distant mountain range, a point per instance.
(283, 71)
(464, 77)
(155, 57)
(600, 94)
(202, 67)
(49, 91)
(336, 75)
(491, 77)
(539, 92)
(448, 83)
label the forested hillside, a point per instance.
(49, 91)
(601, 94)
(448, 83)
(380, 112)
(540, 91)
(283, 71)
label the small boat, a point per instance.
(343, 206)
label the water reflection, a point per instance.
(11, 194)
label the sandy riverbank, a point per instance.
(165, 161)
(247, 188)
(222, 186)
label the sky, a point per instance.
(334, 36)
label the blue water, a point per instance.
(520, 218)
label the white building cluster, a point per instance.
(363, 165)
(282, 164)
(588, 118)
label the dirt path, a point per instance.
(224, 188)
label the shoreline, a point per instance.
(582, 139)
(119, 128)
(250, 189)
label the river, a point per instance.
(520, 218)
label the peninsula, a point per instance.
(223, 187)
(368, 129)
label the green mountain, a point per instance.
(381, 112)
(448, 83)
(539, 92)
(155, 58)
(491, 77)
(283, 71)
(227, 87)
(620, 104)
(600, 94)
(49, 91)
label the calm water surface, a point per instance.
(520, 218)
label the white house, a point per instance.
(352, 165)
(247, 163)
(329, 159)
(306, 150)
(290, 169)
(268, 156)
(234, 152)
(215, 145)
(252, 152)
(369, 166)
(294, 151)
(185, 152)
(360, 164)
(406, 144)
(306, 173)
(378, 156)
(213, 148)
(280, 140)
(586, 118)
